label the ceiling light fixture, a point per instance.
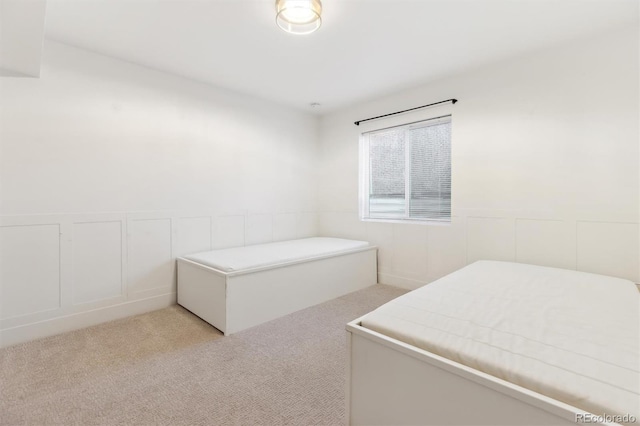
(299, 16)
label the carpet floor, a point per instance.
(168, 367)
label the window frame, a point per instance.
(364, 172)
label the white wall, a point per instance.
(545, 156)
(109, 171)
(21, 34)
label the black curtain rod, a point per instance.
(453, 101)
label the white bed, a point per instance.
(237, 288)
(499, 343)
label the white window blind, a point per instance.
(406, 172)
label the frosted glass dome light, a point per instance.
(299, 16)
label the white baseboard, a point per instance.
(401, 282)
(53, 326)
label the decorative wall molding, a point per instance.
(410, 256)
(67, 271)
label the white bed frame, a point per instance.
(234, 301)
(392, 383)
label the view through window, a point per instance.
(406, 172)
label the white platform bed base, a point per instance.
(499, 343)
(236, 300)
(392, 383)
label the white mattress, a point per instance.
(261, 255)
(569, 335)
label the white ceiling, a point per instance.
(364, 49)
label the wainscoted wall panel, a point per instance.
(285, 226)
(446, 248)
(97, 261)
(194, 235)
(345, 223)
(546, 242)
(410, 251)
(63, 272)
(410, 256)
(608, 248)
(490, 238)
(229, 231)
(381, 235)
(30, 269)
(151, 265)
(259, 229)
(307, 225)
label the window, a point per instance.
(406, 172)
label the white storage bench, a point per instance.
(237, 288)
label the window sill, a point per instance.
(409, 221)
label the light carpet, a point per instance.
(168, 367)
